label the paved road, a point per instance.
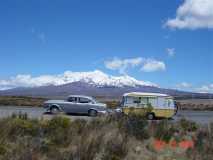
(202, 117)
(32, 112)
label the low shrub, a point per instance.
(19, 127)
(2, 149)
(203, 144)
(56, 130)
(136, 126)
(187, 125)
(116, 148)
(164, 131)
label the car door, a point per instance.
(83, 105)
(71, 105)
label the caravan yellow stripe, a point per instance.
(165, 113)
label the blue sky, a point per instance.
(174, 47)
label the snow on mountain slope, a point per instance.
(97, 78)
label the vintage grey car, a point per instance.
(76, 104)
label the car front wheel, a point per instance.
(93, 113)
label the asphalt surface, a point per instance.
(201, 117)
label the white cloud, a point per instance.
(205, 89)
(152, 65)
(123, 64)
(200, 89)
(146, 64)
(193, 14)
(184, 85)
(94, 77)
(170, 51)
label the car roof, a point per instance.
(146, 94)
(80, 96)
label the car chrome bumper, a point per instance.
(102, 112)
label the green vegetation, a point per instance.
(103, 138)
(21, 101)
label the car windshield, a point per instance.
(94, 100)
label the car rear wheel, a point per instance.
(54, 110)
(150, 116)
(93, 113)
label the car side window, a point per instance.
(72, 99)
(84, 100)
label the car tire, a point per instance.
(54, 110)
(150, 116)
(176, 109)
(92, 113)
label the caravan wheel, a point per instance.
(150, 116)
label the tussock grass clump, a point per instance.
(137, 126)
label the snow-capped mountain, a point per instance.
(96, 78)
(95, 83)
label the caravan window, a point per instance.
(128, 100)
(141, 100)
(161, 102)
(137, 100)
(169, 102)
(131, 100)
(153, 101)
(144, 100)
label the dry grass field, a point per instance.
(196, 104)
(21, 101)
